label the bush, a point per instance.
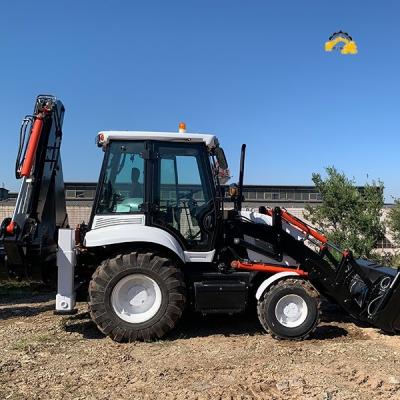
(349, 216)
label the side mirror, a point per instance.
(223, 170)
(219, 153)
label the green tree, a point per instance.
(348, 216)
(393, 219)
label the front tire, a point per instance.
(136, 296)
(290, 309)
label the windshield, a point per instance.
(122, 189)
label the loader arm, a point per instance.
(366, 290)
(30, 236)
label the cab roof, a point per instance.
(105, 136)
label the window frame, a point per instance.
(102, 177)
(206, 176)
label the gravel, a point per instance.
(44, 356)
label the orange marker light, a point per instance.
(182, 127)
(10, 229)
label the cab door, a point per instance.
(184, 195)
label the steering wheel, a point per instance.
(116, 198)
(190, 202)
(204, 217)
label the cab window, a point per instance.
(183, 194)
(123, 183)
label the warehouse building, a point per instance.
(80, 197)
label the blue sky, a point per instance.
(252, 72)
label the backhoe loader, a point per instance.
(161, 239)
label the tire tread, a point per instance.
(287, 283)
(119, 330)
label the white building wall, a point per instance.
(81, 213)
(6, 211)
(78, 214)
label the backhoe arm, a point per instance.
(30, 236)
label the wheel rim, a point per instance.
(291, 310)
(136, 298)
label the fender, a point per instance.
(125, 229)
(269, 281)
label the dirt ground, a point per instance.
(44, 356)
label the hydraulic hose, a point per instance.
(25, 125)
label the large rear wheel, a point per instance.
(136, 296)
(289, 309)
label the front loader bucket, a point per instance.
(384, 308)
(368, 291)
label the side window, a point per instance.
(168, 186)
(183, 191)
(123, 185)
(189, 179)
(180, 180)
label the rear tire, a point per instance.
(290, 309)
(136, 296)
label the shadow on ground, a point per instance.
(194, 325)
(16, 298)
(331, 312)
(325, 332)
(191, 326)
(7, 312)
(24, 299)
(82, 323)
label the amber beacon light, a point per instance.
(182, 127)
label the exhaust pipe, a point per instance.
(241, 176)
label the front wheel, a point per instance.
(136, 296)
(290, 309)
